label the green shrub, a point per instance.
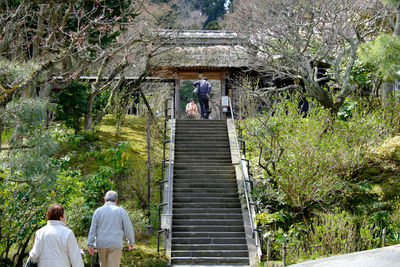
(306, 167)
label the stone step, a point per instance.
(204, 179)
(205, 194)
(207, 210)
(241, 234)
(202, 131)
(198, 185)
(200, 166)
(210, 253)
(224, 170)
(211, 137)
(191, 199)
(212, 216)
(204, 154)
(216, 151)
(204, 190)
(206, 205)
(203, 158)
(209, 246)
(207, 228)
(200, 177)
(222, 139)
(209, 143)
(208, 240)
(203, 137)
(210, 164)
(204, 127)
(200, 160)
(196, 144)
(199, 121)
(199, 149)
(205, 222)
(196, 126)
(210, 260)
(206, 162)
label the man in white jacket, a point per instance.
(109, 225)
(55, 245)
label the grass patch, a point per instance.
(144, 254)
(85, 151)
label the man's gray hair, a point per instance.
(111, 196)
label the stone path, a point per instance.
(380, 257)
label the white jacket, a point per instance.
(56, 246)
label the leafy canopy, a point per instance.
(393, 2)
(383, 52)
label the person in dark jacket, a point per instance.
(204, 91)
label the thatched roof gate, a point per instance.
(191, 55)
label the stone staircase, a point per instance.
(207, 223)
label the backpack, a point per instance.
(196, 89)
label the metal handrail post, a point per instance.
(164, 226)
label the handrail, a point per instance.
(245, 180)
(167, 203)
(171, 142)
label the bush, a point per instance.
(309, 160)
(305, 167)
(139, 222)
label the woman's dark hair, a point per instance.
(55, 211)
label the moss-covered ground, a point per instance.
(132, 176)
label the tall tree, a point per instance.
(314, 45)
(383, 51)
(103, 38)
(64, 38)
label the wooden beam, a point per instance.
(196, 75)
(152, 79)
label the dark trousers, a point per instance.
(203, 100)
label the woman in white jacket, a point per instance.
(55, 245)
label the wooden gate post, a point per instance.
(177, 97)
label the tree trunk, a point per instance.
(147, 104)
(1, 132)
(315, 91)
(22, 254)
(387, 93)
(40, 31)
(396, 31)
(118, 126)
(88, 115)
(387, 87)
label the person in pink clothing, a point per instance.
(191, 109)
